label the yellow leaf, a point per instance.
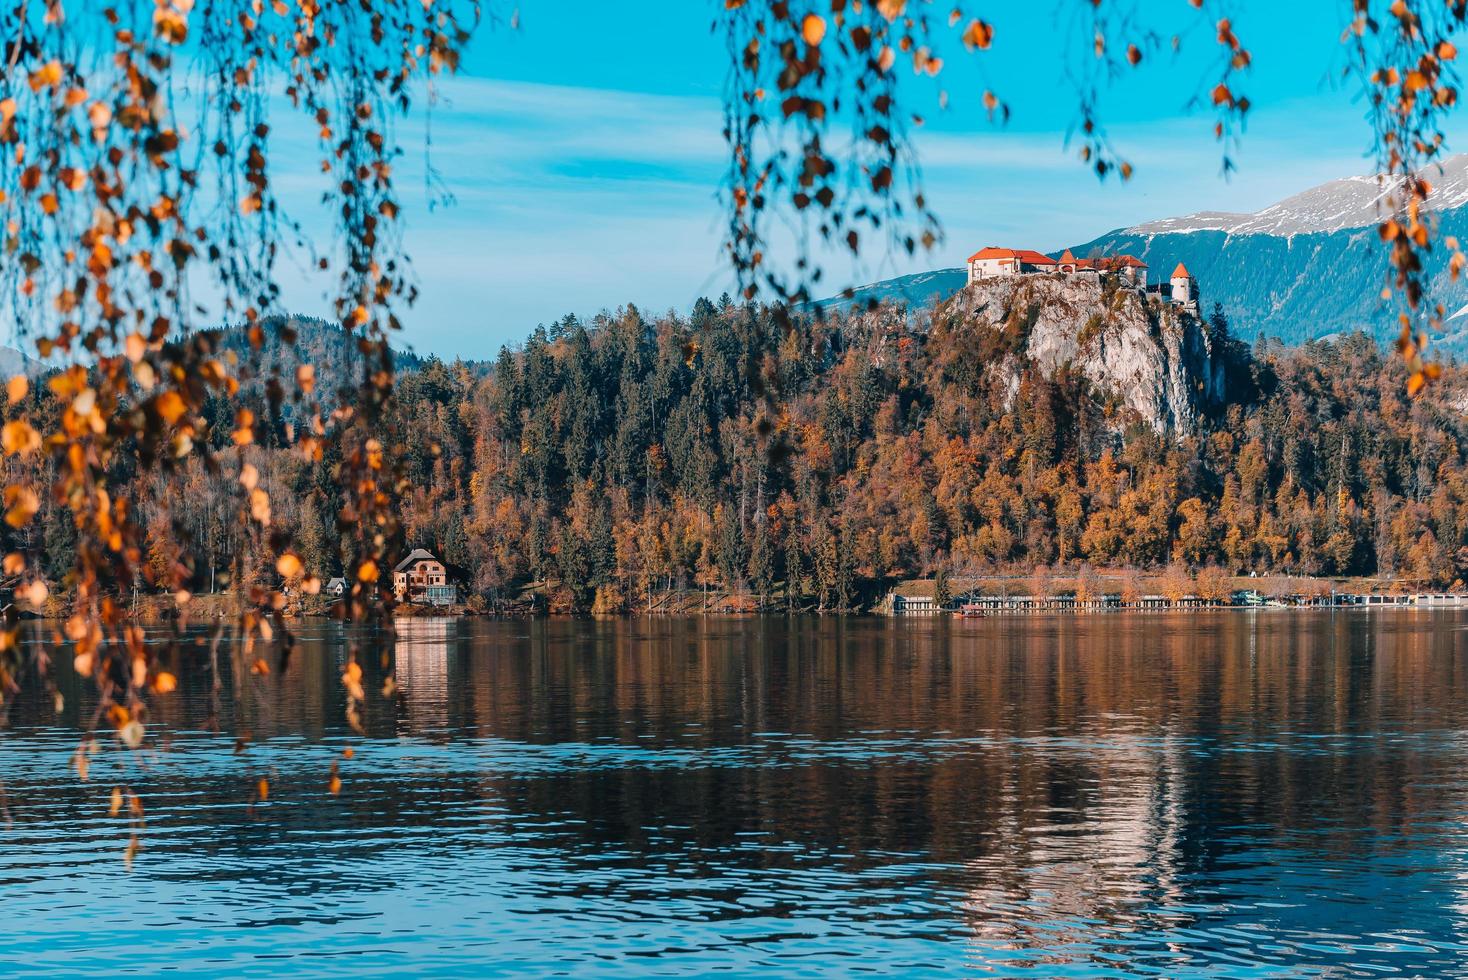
(164, 682)
(289, 566)
(132, 734)
(114, 807)
(46, 76)
(21, 505)
(367, 572)
(260, 506)
(263, 788)
(891, 9)
(19, 439)
(17, 388)
(13, 564)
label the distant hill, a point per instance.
(317, 342)
(13, 362)
(915, 290)
(1309, 266)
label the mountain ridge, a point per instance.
(1307, 266)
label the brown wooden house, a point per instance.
(422, 578)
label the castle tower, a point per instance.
(1184, 286)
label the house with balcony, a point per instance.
(421, 578)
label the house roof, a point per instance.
(414, 557)
(1029, 256)
(337, 581)
(1026, 255)
(1116, 262)
(1181, 272)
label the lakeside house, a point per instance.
(1181, 289)
(422, 578)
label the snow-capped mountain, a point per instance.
(1308, 266)
(1337, 205)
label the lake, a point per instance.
(1219, 794)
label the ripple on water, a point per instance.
(777, 797)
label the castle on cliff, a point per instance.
(1181, 289)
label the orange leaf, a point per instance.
(170, 406)
(978, 34)
(813, 29)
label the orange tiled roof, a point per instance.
(1026, 255)
(1181, 272)
(1112, 262)
(1029, 256)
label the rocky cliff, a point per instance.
(1142, 352)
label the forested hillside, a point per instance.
(732, 449)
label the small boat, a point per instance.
(970, 610)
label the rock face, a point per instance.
(1143, 352)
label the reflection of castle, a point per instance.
(1087, 874)
(423, 669)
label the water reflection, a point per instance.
(1233, 794)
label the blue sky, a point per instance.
(584, 153)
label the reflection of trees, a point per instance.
(1089, 769)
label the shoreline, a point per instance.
(1111, 591)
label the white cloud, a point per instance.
(577, 200)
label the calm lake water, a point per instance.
(1234, 794)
